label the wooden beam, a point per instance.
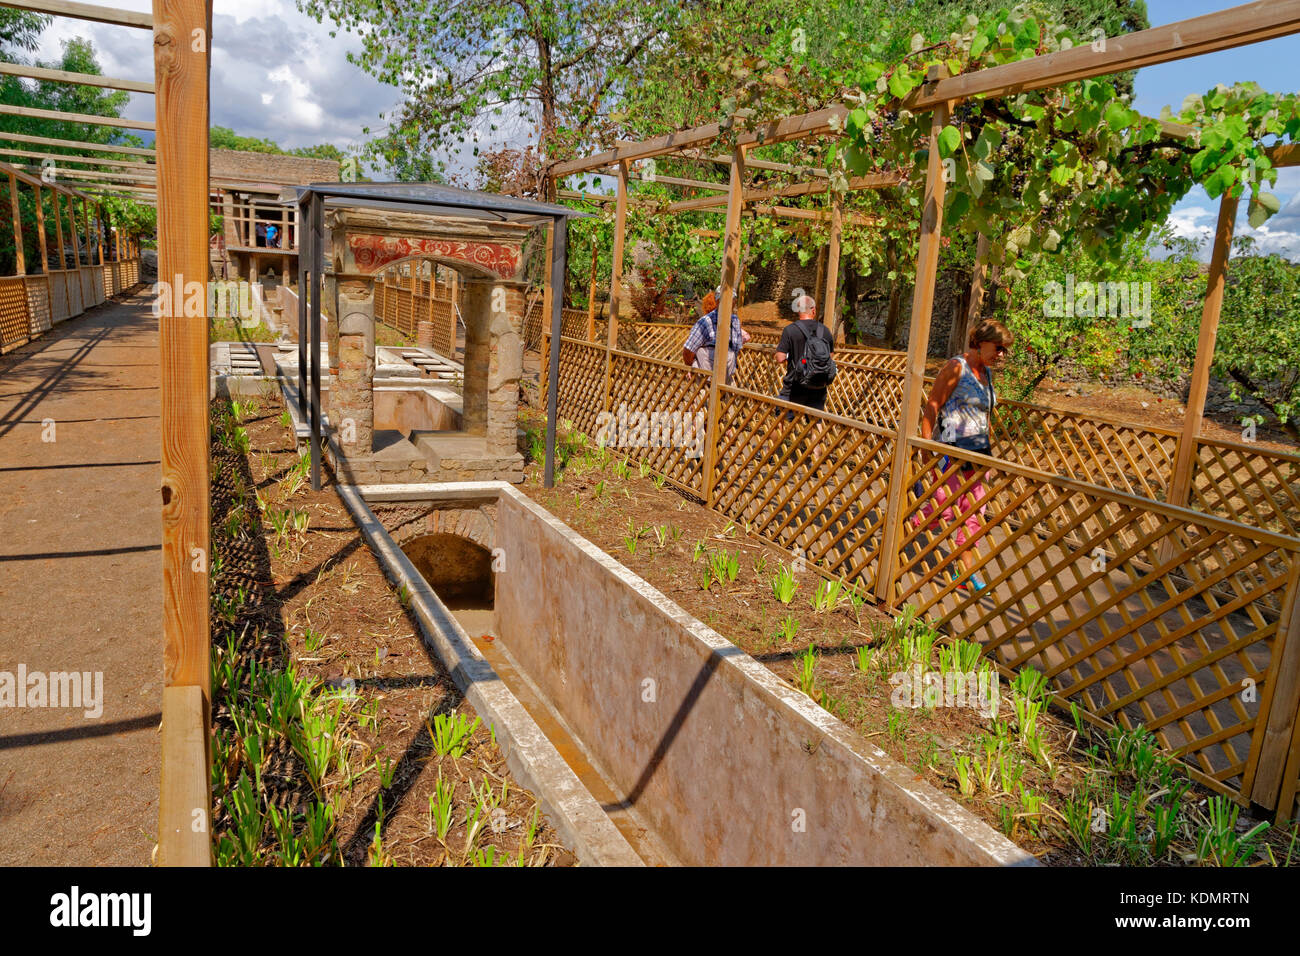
(182, 77)
(722, 340)
(84, 11)
(778, 131)
(751, 162)
(78, 160)
(76, 144)
(1184, 461)
(19, 262)
(90, 175)
(32, 112)
(1223, 30)
(873, 181)
(927, 267)
(1284, 154)
(815, 215)
(97, 188)
(679, 181)
(78, 79)
(24, 177)
(185, 777)
(754, 163)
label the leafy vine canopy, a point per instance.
(1035, 171)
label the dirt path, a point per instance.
(80, 588)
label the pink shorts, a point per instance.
(970, 505)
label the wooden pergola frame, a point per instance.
(939, 95)
(181, 33)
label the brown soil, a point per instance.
(327, 582)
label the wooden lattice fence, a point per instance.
(1137, 611)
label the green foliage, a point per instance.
(18, 31)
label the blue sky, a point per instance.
(1274, 65)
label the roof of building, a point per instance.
(430, 199)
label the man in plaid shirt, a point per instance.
(699, 346)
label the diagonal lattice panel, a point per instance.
(1116, 455)
(581, 383)
(1252, 485)
(1130, 608)
(811, 484)
(866, 394)
(659, 409)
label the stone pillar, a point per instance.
(505, 370)
(424, 334)
(477, 294)
(352, 408)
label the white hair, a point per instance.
(805, 303)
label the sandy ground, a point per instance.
(80, 588)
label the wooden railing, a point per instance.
(31, 305)
(1138, 611)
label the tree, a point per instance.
(20, 31)
(23, 31)
(223, 137)
(552, 66)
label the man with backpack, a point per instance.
(805, 351)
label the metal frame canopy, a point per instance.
(431, 199)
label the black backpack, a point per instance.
(817, 369)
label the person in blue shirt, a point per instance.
(700, 343)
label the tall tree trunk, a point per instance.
(895, 298)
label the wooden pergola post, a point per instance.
(85, 231)
(616, 280)
(591, 292)
(927, 267)
(548, 293)
(76, 242)
(1180, 482)
(722, 343)
(40, 236)
(99, 230)
(20, 262)
(181, 71)
(58, 229)
(830, 314)
(820, 288)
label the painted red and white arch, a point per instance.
(372, 253)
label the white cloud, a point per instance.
(275, 72)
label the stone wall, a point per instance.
(239, 166)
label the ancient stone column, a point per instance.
(424, 334)
(352, 409)
(505, 370)
(477, 294)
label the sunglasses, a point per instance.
(1001, 349)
